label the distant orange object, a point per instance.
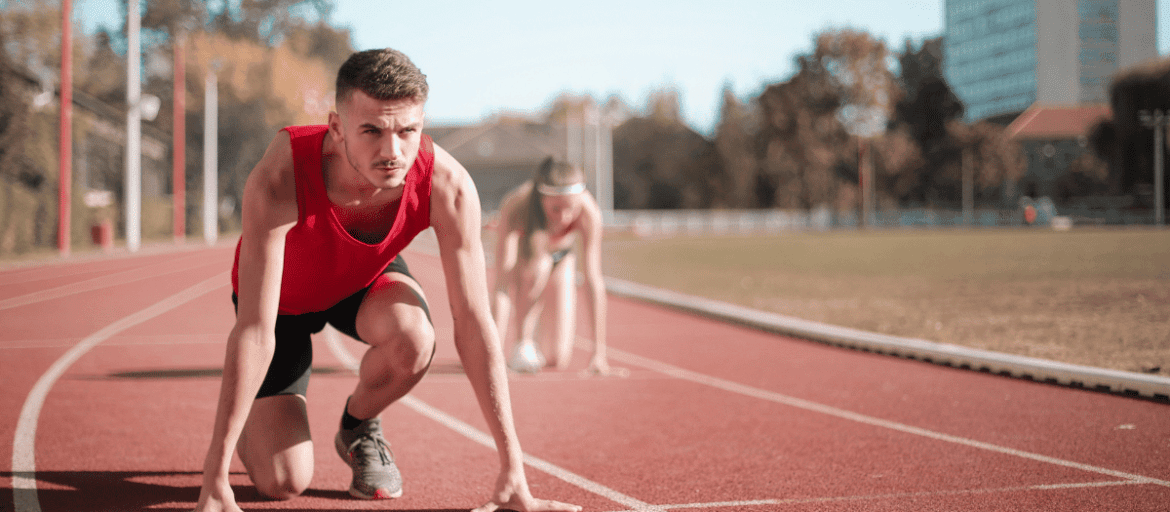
(1029, 214)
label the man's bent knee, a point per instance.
(406, 341)
(276, 448)
(414, 349)
(284, 487)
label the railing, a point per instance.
(666, 222)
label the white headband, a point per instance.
(564, 190)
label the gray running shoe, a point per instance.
(375, 477)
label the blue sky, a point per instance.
(483, 58)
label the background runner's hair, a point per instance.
(384, 74)
(554, 172)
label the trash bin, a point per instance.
(103, 235)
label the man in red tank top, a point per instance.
(325, 213)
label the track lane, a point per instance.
(1115, 432)
(30, 372)
(655, 436)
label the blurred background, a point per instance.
(833, 114)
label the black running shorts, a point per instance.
(288, 373)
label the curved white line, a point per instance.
(24, 483)
(97, 283)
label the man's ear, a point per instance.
(335, 126)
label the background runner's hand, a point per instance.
(600, 367)
(514, 495)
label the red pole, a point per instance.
(65, 158)
(179, 147)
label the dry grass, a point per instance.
(1091, 297)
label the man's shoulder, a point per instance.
(448, 174)
(454, 199)
(275, 171)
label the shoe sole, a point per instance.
(353, 491)
(342, 451)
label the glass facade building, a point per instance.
(1001, 56)
(989, 55)
(1098, 50)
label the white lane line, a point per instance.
(734, 387)
(924, 494)
(24, 483)
(96, 283)
(349, 361)
(127, 341)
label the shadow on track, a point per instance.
(131, 491)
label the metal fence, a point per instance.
(667, 222)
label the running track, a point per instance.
(111, 369)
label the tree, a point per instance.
(924, 113)
(659, 162)
(278, 60)
(800, 140)
(17, 180)
(1122, 141)
(805, 146)
(928, 103)
(261, 90)
(733, 143)
(32, 57)
(996, 160)
(897, 163)
(856, 67)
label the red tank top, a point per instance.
(323, 263)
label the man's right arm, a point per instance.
(269, 211)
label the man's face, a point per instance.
(380, 138)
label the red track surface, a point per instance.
(712, 417)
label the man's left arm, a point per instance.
(455, 216)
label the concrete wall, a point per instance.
(1057, 47)
(1137, 32)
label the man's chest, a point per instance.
(367, 224)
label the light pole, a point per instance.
(1157, 119)
(132, 195)
(210, 153)
(179, 140)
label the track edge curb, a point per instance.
(1036, 369)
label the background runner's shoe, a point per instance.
(526, 358)
(375, 476)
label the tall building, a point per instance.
(1002, 56)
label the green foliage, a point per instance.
(809, 133)
(734, 184)
(659, 162)
(1122, 141)
(277, 59)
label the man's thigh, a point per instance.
(394, 306)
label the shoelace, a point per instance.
(377, 444)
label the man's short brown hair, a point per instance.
(383, 74)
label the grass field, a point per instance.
(1088, 296)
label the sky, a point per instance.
(516, 56)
